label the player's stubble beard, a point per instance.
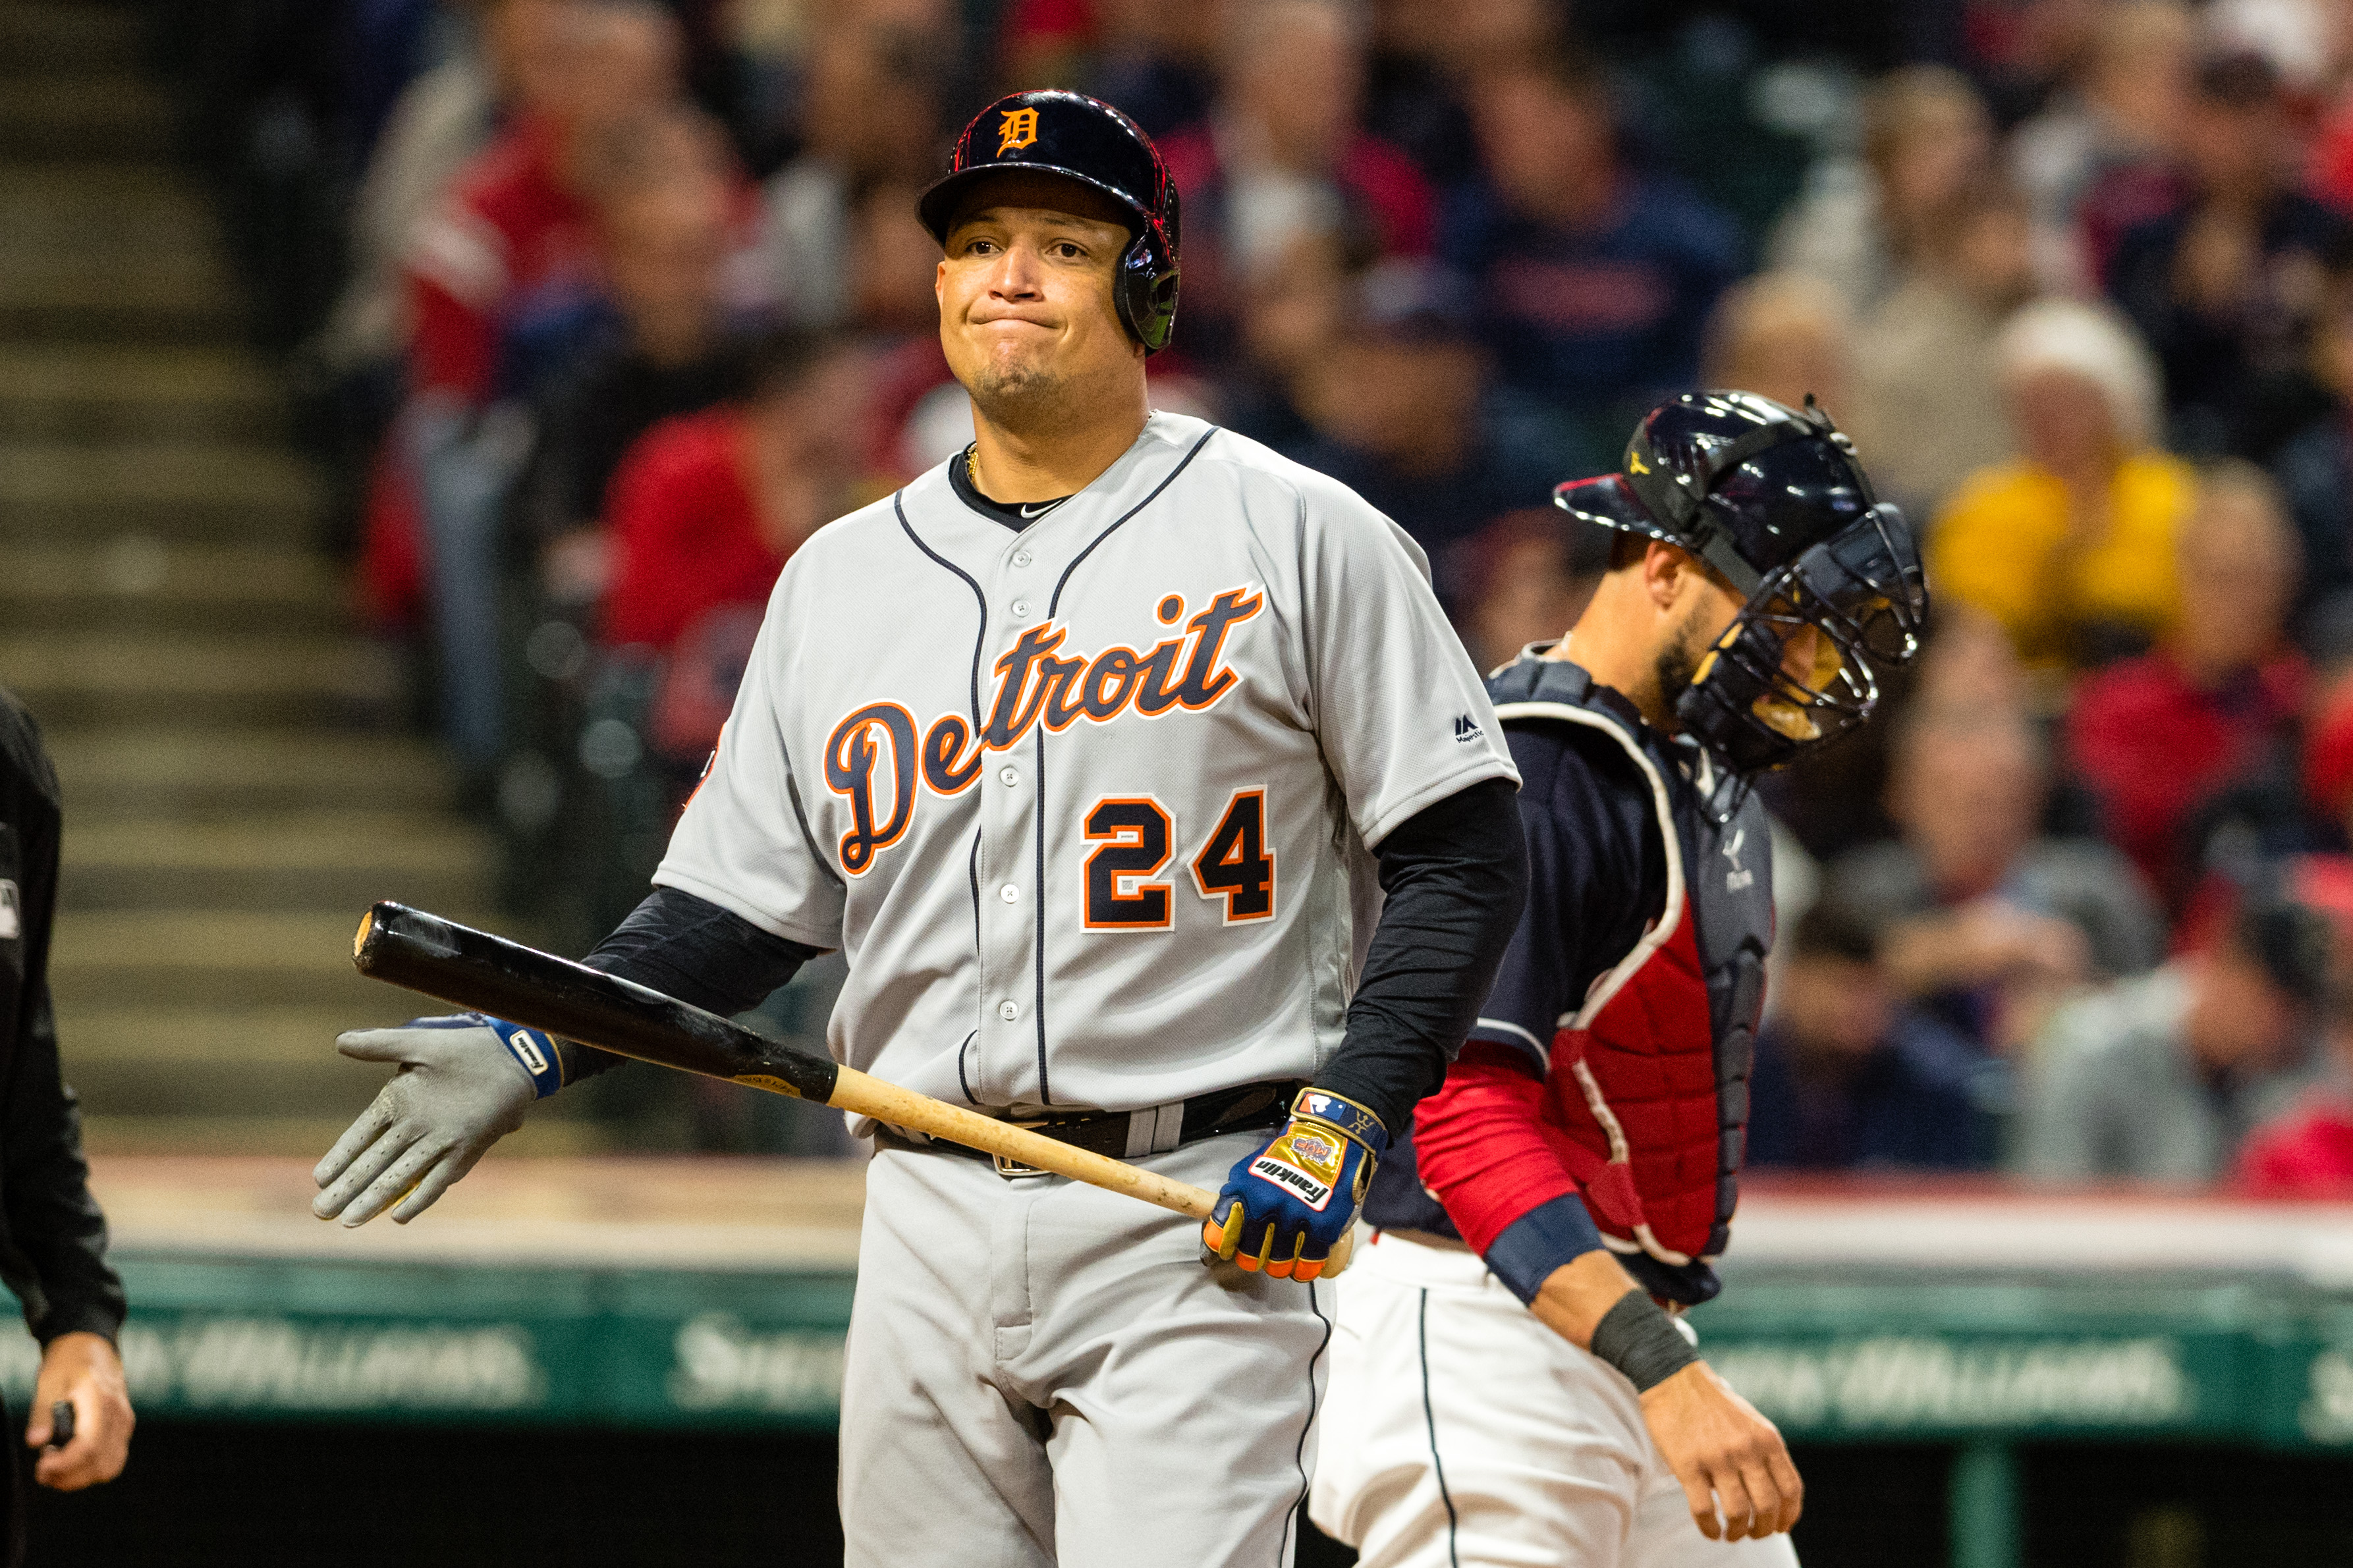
(1024, 397)
(1678, 660)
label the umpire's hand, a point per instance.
(83, 1370)
(458, 1089)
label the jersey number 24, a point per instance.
(1134, 838)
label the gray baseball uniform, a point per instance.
(1087, 807)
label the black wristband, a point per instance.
(1639, 1340)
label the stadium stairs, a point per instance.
(237, 786)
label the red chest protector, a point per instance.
(1649, 1077)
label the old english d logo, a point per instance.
(1019, 129)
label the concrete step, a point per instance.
(78, 117)
(171, 1039)
(338, 860)
(170, 1070)
(83, 393)
(53, 493)
(129, 219)
(38, 39)
(172, 1062)
(113, 252)
(547, 1133)
(138, 583)
(205, 776)
(241, 678)
(125, 305)
(220, 962)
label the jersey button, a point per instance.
(1020, 609)
(1022, 558)
(1008, 1010)
(1009, 893)
(1009, 774)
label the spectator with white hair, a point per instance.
(2071, 547)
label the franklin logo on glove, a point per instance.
(1275, 1212)
(1303, 1162)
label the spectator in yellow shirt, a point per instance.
(2071, 547)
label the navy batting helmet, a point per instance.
(1082, 139)
(1774, 500)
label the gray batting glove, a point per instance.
(457, 1090)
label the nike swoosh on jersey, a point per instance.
(1042, 508)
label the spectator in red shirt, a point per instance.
(666, 222)
(519, 224)
(516, 240)
(2155, 737)
(2308, 1151)
(706, 508)
(1281, 157)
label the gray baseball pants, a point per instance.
(1041, 1373)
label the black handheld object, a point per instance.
(486, 974)
(62, 1423)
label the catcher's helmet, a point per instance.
(1772, 498)
(1082, 139)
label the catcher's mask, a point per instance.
(1771, 498)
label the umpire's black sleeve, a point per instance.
(691, 949)
(1454, 874)
(53, 1254)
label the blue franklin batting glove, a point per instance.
(1287, 1204)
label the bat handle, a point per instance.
(855, 1092)
(861, 1095)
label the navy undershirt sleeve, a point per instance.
(690, 949)
(1453, 875)
(1596, 874)
(1532, 1246)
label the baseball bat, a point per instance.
(486, 974)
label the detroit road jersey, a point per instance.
(1087, 803)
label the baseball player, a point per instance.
(1508, 1385)
(1096, 750)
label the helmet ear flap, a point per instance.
(1144, 292)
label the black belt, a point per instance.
(1248, 1108)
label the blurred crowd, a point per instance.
(600, 306)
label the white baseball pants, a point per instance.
(1040, 1372)
(1463, 1433)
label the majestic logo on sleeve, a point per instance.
(875, 760)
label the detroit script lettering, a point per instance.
(1036, 684)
